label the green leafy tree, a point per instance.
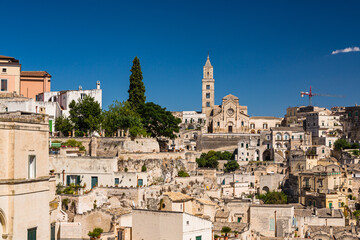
(85, 114)
(121, 116)
(210, 159)
(159, 122)
(137, 88)
(341, 144)
(231, 166)
(63, 125)
(226, 230)
(143, 168)
(273, 197)
(226, 155)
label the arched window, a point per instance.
(278, 136)
(286, 136)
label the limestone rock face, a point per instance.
(166, 169)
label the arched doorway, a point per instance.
(3, 230)
(267, 155)
(266, 189)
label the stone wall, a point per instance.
(219, 142)
(95, 219)
(111, 147)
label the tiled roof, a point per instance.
(259, 117)
(205, 202)
(177, 196)
(222, 214)
(2, 56)
(235, 226)
(34, 73)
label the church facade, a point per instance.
(230, 116)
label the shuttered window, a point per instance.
(31, 234)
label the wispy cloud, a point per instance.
(346, 50)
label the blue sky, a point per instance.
(264, 52)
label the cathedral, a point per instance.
(230, 116)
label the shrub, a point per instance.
(182, 173)
(273, 197)
(143, 168)
(96, 232)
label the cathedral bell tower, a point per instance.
(208, 89)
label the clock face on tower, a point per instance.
(230, 111)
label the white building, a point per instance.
(324, 127)
(193, 117)
(52, 109)
(64, 98)
(166, 225)
(94, 171)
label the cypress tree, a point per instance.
(137, 87)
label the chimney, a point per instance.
(332, 211)
(98, 85)
(353, 230)
(315, 212)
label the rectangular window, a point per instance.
(94, 181)
(198, 238)
(218, 124)
(272, 224)
(242, 145)
(208, 87)
(31, 234)
(32, 167)
(207, 104)
(239, 219)
(140, 182)
(4, 87)
(116, 181)
(4, 70)
(52, 231)
(82, 95)
(208, 95)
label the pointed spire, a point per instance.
(208, 63)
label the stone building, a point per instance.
(258, 124)
(33, 83)
(230, 116)
(26, 83)
(324, 186)
(287, 138)
(26, 187)
(155, 225)
(324, 127)
(352, 123)
(296, 116)
(304, 218)
(64, 98)
(272, 220)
